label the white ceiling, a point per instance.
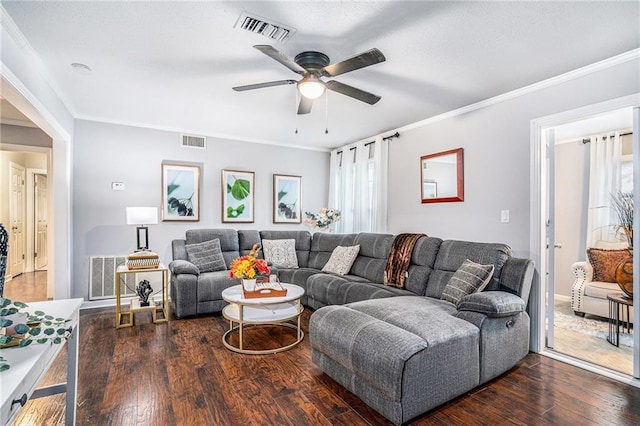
(172, 64)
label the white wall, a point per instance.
(496, 142)
(105, 153)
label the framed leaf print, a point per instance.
(180, 192)
(238, 198)
(287, 199)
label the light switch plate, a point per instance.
(504, 216)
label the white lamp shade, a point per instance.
(142, 215)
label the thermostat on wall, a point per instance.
(117, 186)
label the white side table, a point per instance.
(262, 311)
(156, 307)
(29, 365)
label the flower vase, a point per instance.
(248, 285)
(624, 275)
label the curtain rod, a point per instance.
(395, 135)
(586, 141)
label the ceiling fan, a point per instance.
(315, 65)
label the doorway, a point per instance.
(553, 248)
(16, 219)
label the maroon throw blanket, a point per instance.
(399, 259)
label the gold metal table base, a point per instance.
(240, 328)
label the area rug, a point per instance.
(592, 327)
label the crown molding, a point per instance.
(544, 84)
(205, 133)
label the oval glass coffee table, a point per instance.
(271, 311)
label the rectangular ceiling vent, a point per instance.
(191, 141)
(264, 27)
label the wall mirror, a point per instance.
(442, 177)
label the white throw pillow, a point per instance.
(280, 253)
(341, 260)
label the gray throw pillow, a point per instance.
(469, 278)
(341, 260)
(280, 253)
(207, 256)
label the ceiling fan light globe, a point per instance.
(311, 89)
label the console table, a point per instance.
(618, 302)
(29, 365)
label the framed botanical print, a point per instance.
(238, 198)
(180, 192)
(287, 192)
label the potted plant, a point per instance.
(248, 267)
(623, 206)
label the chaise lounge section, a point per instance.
(403, 351)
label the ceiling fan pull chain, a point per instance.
(326, 112)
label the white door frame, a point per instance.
(538, 214)
(58, 182)
(31, 228)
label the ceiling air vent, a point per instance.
(190, 141)
(264, 27)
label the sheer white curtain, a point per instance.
(604, 181)
(358, 186)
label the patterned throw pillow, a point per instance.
(280, 253)
(341, 260)
(207, 256)
(469, 278)
(604, 263)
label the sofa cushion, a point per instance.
(600, 289)
(207, 256)
(452, 254)
(372, 258)
(341, 260)
(604, 263)
(280, 253)
(229, 240)
(322, 246)
(469, 278)
(303, 243)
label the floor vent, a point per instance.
(264, 27)
(190, 141)
(102, 275)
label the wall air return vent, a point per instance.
(264, 27)
(190, 141)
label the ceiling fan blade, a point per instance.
(304, 107)
(351, 91)
(275, 54)
(370, 57)
(261, 85)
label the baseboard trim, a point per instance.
(562, 298)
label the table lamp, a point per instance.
(142, 216)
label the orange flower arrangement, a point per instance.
(249, 266)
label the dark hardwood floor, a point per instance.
(179, 373)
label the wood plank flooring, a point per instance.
(27, 287)
(179, 373)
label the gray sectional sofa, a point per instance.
(403, 351)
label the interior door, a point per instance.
(40, 219)
(16, 219)
(551, 243)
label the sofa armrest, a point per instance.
(494, 304)
(582, 271)
(183, 267)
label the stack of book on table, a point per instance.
(143, 260)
